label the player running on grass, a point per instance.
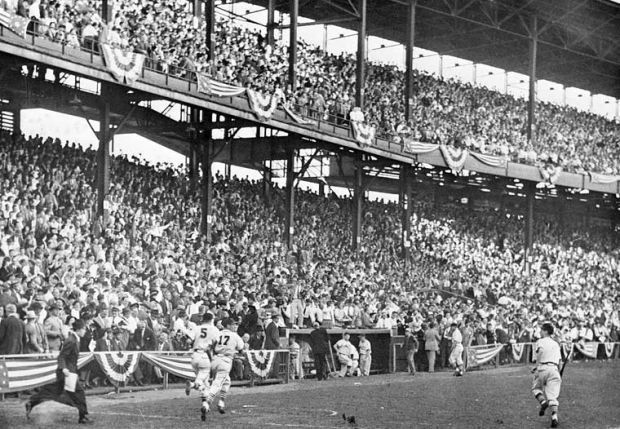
(205, 336)
(228, 344)
(547, 379)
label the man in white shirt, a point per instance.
(456, 355)
(547, 379)
(344, 349)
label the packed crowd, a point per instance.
(444, 111)
(143, 275)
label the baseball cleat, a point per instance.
(203, 412)
(188, 387)
(555, 423)
(221, 407)
(543, 406)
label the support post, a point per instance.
(105, 11)
(321, 189)
(290, 198)
(409, 59)
(271, 17)
(103, 152)
(529, 224)
(361, 55)
(193, 147)
(17, 119)
(405, 204)
(531, 110)
(267, 184)
(210, 30)
(207, 180)
(292, 49)
(358, 203)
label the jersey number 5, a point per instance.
(224, 340)
(203, 333)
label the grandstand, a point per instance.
(508, 210)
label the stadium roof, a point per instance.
(579, 40)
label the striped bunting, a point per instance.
(261, 361)
(567, 350)
(412, 146)
(517, 351)
(298, 118)
(603, 179)
(206, 85)
(493, 161)
(364, 133)
(118, 365)
(28, 373)
(177, 365)
(125, 66)
(587, 349)
(263, 107)
(609, 349)
(478, 355)
(454, 157)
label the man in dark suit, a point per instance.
(142, 339)
(272, 334)
(67, 364)
(12, 333)
(319, 342)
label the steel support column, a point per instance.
(361, 55)
(292, 49)
(207, 180)
(358, 203)
(409, 59)
(290, 198)
(17, 120)
(271, 24)
(105, 11)
(531, 108)
(103, 152)
(267, 184)
(529, 224)
(193, 148)
(210, 30)
(406, 207)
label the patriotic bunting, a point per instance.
(261, 361)
(17, 24)
(118, 365)
(493, 161)
(28, 373)
(609, 349)
(263, 107)
(603, 179)
(478, 355)
(567, 349)
(517, 351)
(412, 146)
(587, 349)
(177, 365)
(455, 157)
(298, 118)
(364, 134)
(210, 86)
(124, 66)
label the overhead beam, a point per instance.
(333, 21)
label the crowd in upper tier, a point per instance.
(445, 111)
(145, 264)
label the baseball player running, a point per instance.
(227, 344)
(547, 380)
(205, 336)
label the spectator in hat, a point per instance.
(272, 334)
(54, 328)
(36, 340)
(257, 339)
(319, 343)
(12, 333)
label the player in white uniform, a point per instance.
(227, 345)
(205, 336)
(547, 380)
(344, 348)
(456, 356)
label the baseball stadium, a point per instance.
(310, 213)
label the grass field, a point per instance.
(496, 398)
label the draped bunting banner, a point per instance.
(118, 365)
(210, 86)
(28, 373)
(603, 179)
(261, 361)
(455, 158)
(297, 118)
(567, 350)
(124, 66)
(550, 173)
(263, 107)
(17, 24)
(493, 161)
(177, 365)
(609, 349)
(478, 355)
(517, 351)
(364, 134)
(412, 146)
(587, 349)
